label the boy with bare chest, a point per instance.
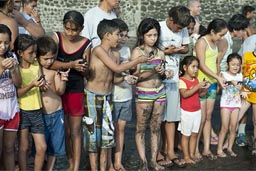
(98, 104)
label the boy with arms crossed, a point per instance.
(98, 119)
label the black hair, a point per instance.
(246, 9)
(217, 25)
(4, 29)
(180, 15)
(74, 17)
(192, 20)
(106, 26)
(144, 27)
(186, 62)
(202, 30)
(3, 3)
(122, 25)
(46, 44)
(22, 42)
(238, 22)
(28, 1)
(234, 56)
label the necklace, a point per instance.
(3, 12)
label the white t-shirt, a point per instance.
(91, 20)
(168, 38)
(8, 96)
(249, 45)
(123, 91)
(22, 30)
(230, 96)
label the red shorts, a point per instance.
(73, 103)
(12, 124)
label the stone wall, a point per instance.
(52, 11)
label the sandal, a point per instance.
(231, 153)
(222, 155)
(178, 162)
(210, 156)
(164, 162)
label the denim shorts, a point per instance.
(122, 110)
(211, 93)
(32, 120)
(55, 133)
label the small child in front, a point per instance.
(29, 97)
(98, 104)
(52, 104)
(190, 90)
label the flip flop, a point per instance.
(231, 153)
(178, 162)
(222, 155)
(210, 156)
(165, 162)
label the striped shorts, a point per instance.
(100, 133)
(32, 120)
(151, 94)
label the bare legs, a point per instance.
(7, 141)
(119, 134)
(144, 112)
(73, 141)
(40, 146)
(229, 120)
(207, 107)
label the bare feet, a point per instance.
(221, 154)
(198, 157)
(144, 166)
(119, 167)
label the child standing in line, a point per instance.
(230, 103)
(52, 104)
(190, 90)
(122, 95)
(9, 113)
(249, 87)
(30, 102)
(150, 90)
(98, 97)
(207, 53)
(73, 52)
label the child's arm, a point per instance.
(100, 53)
(185, 93)
(174, 49)
(222, 48)
(60, 81)
(12, 65)
(35, 83)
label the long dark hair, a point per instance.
(144, 27)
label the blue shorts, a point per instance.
(55, 133)
(123, 110)
(211, 93)
(32, 120)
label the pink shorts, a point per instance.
(12, 124)
(73, 103)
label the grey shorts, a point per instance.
(32, 120)
(123, 110)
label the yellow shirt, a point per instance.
(210, 61)
(249, 74)
(32, 99)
